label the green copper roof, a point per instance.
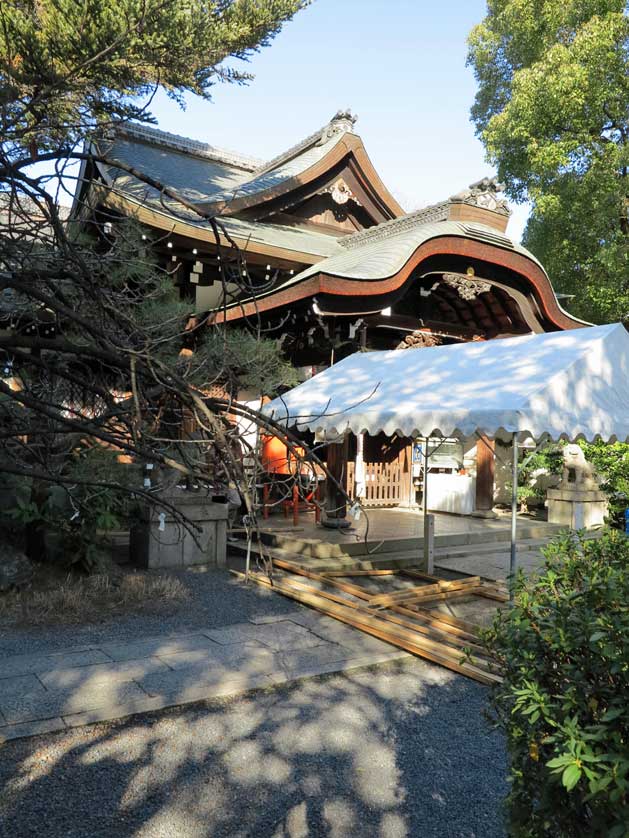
(385, 251)
(284, 171)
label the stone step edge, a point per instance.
(212, 695)
(314, 547)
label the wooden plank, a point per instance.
(397, 636)
(493, 592)
(374, 572)
(443, 621)
(427, 618)
(456, 622)
(446, 596)
(416, 574)
(442, 635)
(354, 590)
(412, 593)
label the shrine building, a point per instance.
(333, 265)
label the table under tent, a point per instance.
(564, 385)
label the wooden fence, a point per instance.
(383, 483)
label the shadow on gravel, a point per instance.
(397, 751)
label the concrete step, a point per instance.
(321, 548)
(386, 554)
(411, 558)
(378, 559)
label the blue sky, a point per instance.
(398, 64)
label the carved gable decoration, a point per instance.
(485, 193)
(467, 287)
(418, 340)
(341, 193)
(341, 122)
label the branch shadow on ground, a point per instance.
(401, 750)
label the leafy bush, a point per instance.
(611, 461)
(564, 700)
(73, 516)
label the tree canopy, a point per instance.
(66, 65)
(552, 110)
(100, 360)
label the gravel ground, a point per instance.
(390, 752)
(215, 598)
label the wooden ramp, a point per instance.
(404, 614)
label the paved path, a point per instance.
(400, 751)
(40, 693)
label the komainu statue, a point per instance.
(577, 472)
(577, 502)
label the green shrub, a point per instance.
(611, 462)
(564, 701)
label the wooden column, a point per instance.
(485, 466)
(337, 455)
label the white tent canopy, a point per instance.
(562, 385)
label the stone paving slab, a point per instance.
(19, 731)
(43, 693)
(157, 646)
(278, 635)
(237, 654)
(32, 707)
(20, 685)
(92, 676)
(25, 664)
(184, 685)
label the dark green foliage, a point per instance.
(75, 516)
(611, 462)
(66, 65)
(92, 365)
(564, 701)
(551, 110)
(548, 460)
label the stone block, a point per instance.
(20, 685)
(576, 509)
(87, 677)
(236, 655)
(158, 540)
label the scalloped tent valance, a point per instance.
(569, 385)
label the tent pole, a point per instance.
(514, 514)
(428, 556)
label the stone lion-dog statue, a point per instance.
(577, 472)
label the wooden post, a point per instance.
(265, 500)
(335, 507)
(318, 498)
(295, 503)
(485, 468)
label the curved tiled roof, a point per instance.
(385, 252)
(283, 171)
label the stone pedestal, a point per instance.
(576, 508)
(159, 541)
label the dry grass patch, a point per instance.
(83, 599)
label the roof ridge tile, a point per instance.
(341, 123)
(186, 145)
(426, 215)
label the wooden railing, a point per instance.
(383, 483)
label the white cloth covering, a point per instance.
(561, 384)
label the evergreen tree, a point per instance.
(91, 332)
(552, 110)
